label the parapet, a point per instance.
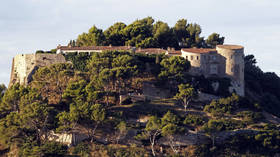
(199, 51)
(231, 47)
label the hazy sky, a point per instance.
(29, 25)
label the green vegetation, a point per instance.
(264, 86)
(47, 149)
(87, 97)
(147, 33)
(102, 96)
(79, 60)
(2, 90)
(214, 39)
(167, 126)
(223, 105)
(250, 117)
(185, 95)
(265, 142)
(194, 120)
(213, 127)
(52, 51)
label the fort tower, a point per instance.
(234, 55)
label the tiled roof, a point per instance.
(140, 50)
(95, 48)
(232, 47)
(177, 52)
(151, 50)
(201, 50)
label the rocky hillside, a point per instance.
(124, 104)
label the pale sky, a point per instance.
(30, 25)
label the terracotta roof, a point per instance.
(178, 52)
(196, 50)
(232, 47)
(95, 48)
(151, 51)
(146, 50)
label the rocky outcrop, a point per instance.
(68, 139)
(190, 138)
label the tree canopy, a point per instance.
(147, 33)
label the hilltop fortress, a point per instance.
(224, 61)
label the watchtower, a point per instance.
(234, 55)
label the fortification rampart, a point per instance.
(224, 61)
(24, 65)
(234, 55)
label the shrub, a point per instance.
(223, 125)
(193, 120)
(79, 60)
(263, 143)
(48, 149)
(223, 105)
(81, 149)
(39, 51)
(250, 117)
(53, 51)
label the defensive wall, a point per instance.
(25, 65)
(224, 61)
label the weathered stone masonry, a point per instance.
(25, 65)
(224, 61)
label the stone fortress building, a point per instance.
(25, 65)
(224, 61)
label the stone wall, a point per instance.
(227, 61)
(206, 64)
(234, 55)
(25, 65)
(204, 97)
(151, 92)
